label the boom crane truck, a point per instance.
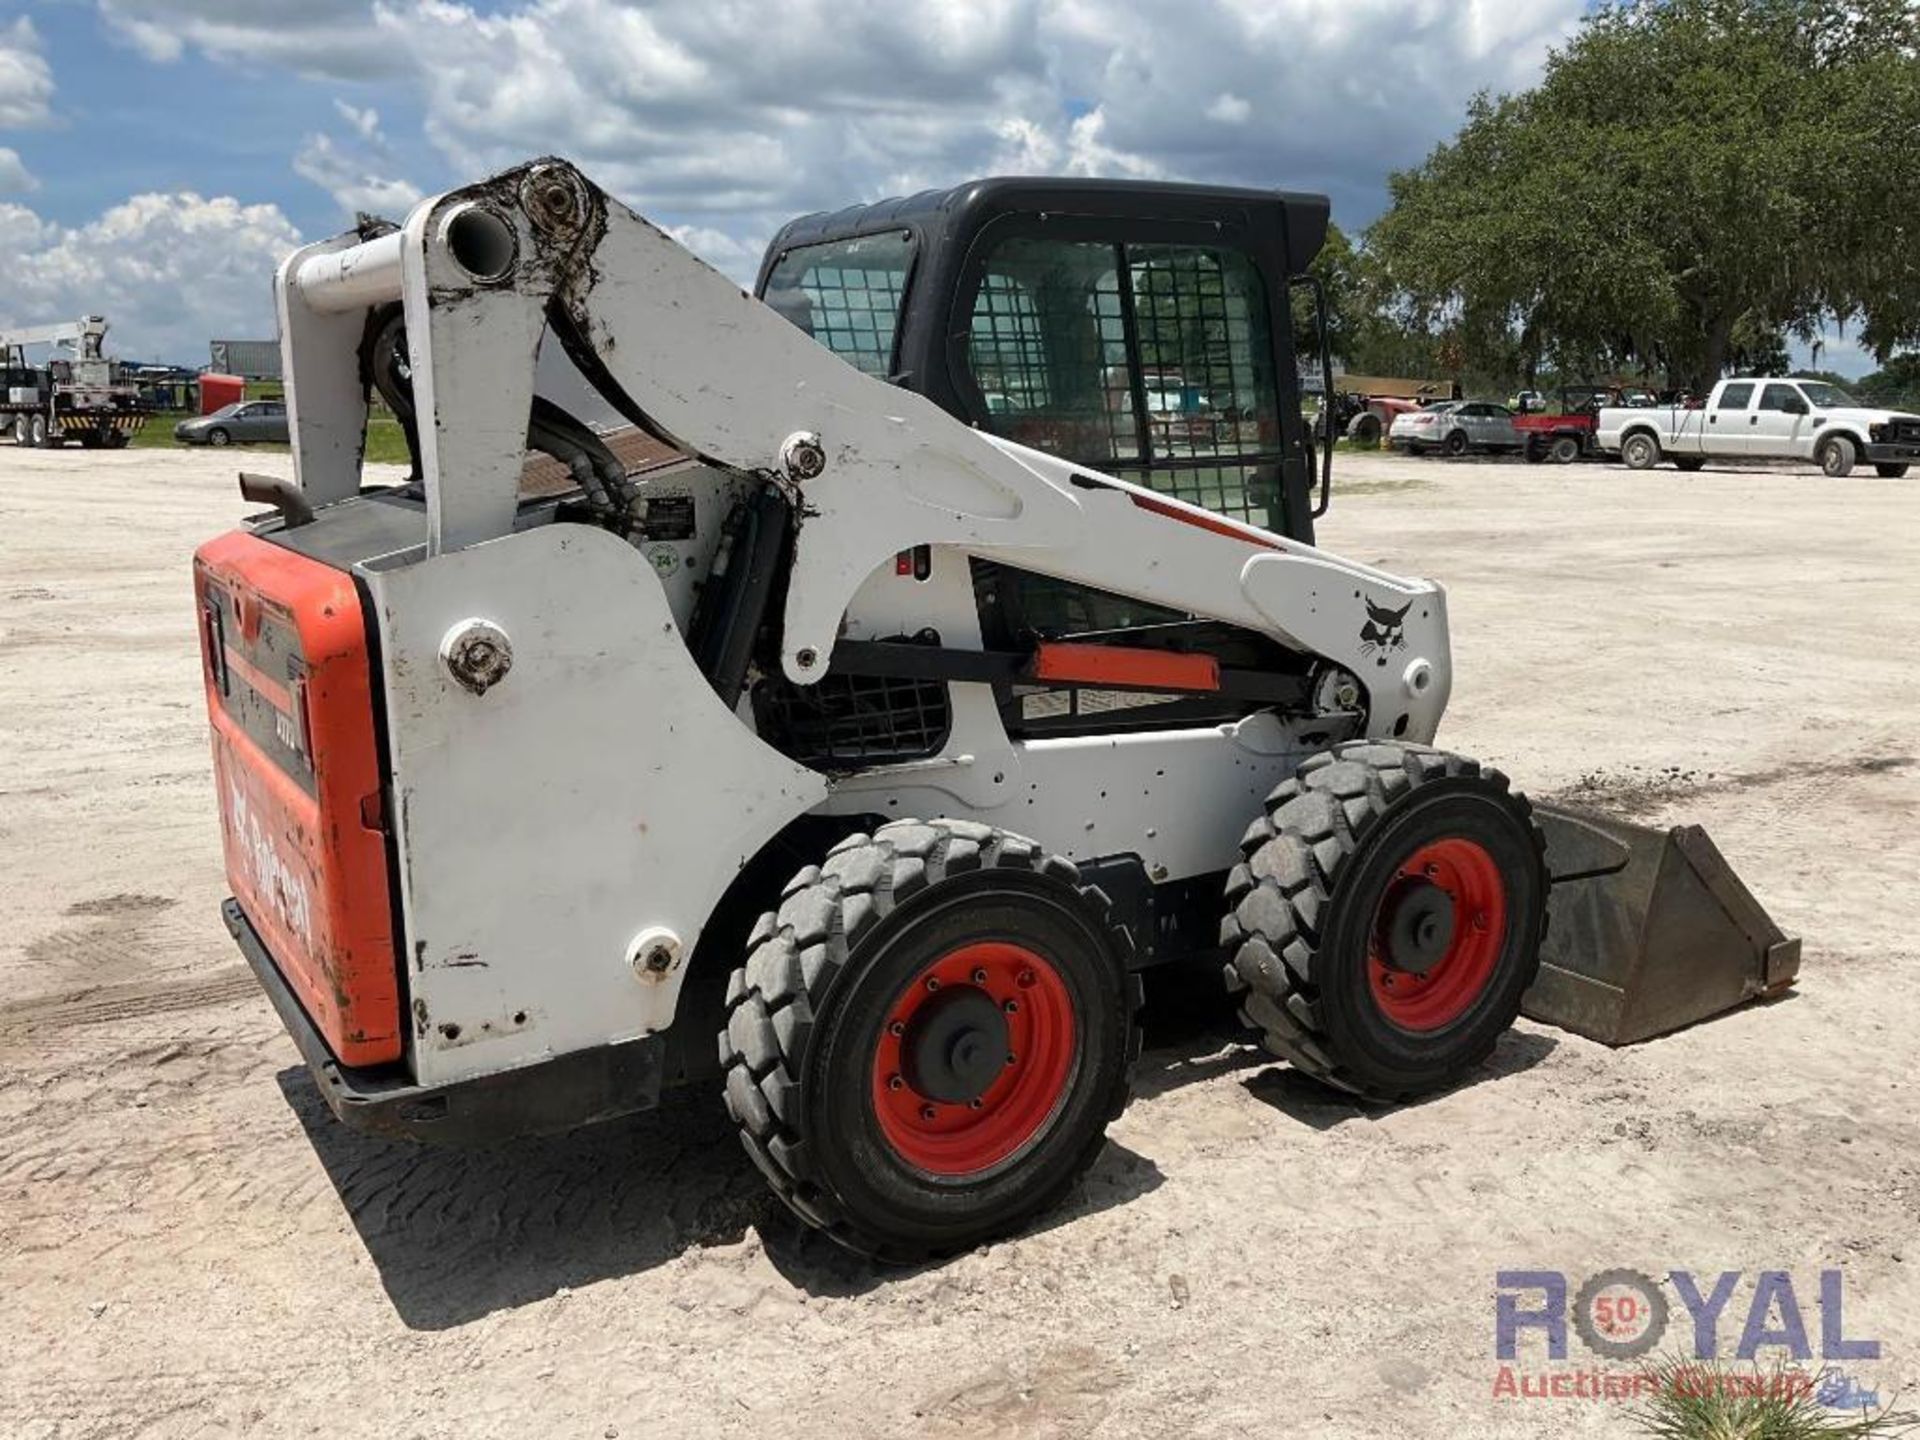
(83, 399)
(963, 652)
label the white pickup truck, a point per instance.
(1764, 419)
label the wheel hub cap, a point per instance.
(1438, 934)
(1419, 926)
(955, 1047)
(975, 1057)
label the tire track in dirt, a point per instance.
(107, 1004)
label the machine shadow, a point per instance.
(458, 1234)
(1306, 1100)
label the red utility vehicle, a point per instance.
(1564, 431)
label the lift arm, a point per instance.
(872, 469)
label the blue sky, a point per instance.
(156, 156)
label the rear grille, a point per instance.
(852, 720)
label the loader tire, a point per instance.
(1386, 917)
(929, 1037)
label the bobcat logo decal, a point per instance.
(1385, 631)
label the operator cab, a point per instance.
(1142, 329)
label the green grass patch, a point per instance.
(386, 441)
(1704, 1400)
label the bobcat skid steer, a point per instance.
(885, 747)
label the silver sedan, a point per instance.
(1455, 427)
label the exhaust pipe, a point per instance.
(1648, 931)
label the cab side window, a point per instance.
(1734, 397)
(847, 295)
(1786, 398)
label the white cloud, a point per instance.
(26, 80)
(15, 178)
(729, 116)
(334, 38)
(365, 121)
(728, 254)
(170, 272)
(735, 115)
(1229, 109)
(352, 179)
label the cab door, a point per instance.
(1151, 360)
(1779, 423)
(1729, 418)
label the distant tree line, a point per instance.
(1692, 185)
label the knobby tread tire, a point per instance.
(1294, 855)
(794, 956)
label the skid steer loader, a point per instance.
(883, 719)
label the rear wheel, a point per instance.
(1387, 917)
(1364, 430)
(22, 430)
(1640, 451)
(1456, 444)
(1692, 464)
(39, 435)
(1890, 471)
(1835, 457)
(929, 1037)
(1564, 450)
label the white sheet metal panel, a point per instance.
(598, 791)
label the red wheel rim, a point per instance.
(1467, 874)
(956, 1138)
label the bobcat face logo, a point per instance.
(1385, 631)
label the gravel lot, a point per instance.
(190, 1246)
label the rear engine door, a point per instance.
(297, 771)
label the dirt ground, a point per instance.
(189, 1245)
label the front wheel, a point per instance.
(1387, 917)
(217, 436)
(1564, 450)
(1890, 471)
(1835, 457)
(929, 1037)
(1640, 451)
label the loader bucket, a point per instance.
(1648, 931)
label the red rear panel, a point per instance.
(289, 691)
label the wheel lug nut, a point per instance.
(898, 1027)
(1432, 870)
(979, 977)
(1012, 1007)
(894, 1082)
(1027, 977)
(927, 1112)
(1012, 1059)
(933, 982)
(973, 1104)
